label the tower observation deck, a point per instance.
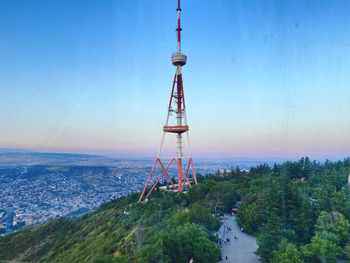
(178, 59)
(177, 106)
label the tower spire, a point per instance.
(181, 127)
(178, 27)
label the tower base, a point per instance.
(180, 184)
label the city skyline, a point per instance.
(263, 78)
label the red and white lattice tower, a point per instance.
(177, 106)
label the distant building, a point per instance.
(9, 222)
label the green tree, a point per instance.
(179, 243)
(201, 215)
(269, 237)
(332, 234)
(287, 253)
(321, 249)
(347, 251)
(341, 201)
(251, 217)
(333, 227)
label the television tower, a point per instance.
(177, 106)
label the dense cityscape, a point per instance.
(38, 193)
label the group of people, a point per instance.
(222, 258)
(224, 239)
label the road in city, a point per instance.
(237, 250)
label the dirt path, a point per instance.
(240, 250)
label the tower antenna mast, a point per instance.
(181, 127)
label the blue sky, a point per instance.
(263, 78)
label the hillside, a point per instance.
(299, 211)
(120, 231)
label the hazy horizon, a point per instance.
(150, 156)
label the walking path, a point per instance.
(239, 250)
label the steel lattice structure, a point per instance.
(181, 127)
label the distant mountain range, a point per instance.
(23, 158)
(11, 150)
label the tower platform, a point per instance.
(175, 129)
(178, 59)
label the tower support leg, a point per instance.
(194, 173)
(149, 178)
(160, 177)
(179, 174)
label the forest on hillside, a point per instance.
(299, 211)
